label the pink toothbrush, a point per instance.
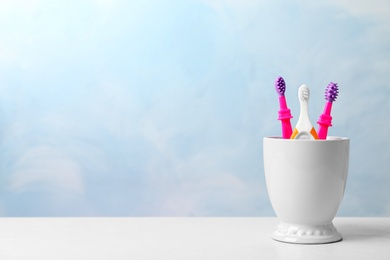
(284, 111)
(325, 120)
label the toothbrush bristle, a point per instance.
(280, 86)
(331, 92)
(304, 93)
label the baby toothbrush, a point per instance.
(284, 111)
(304, 129)
(325, 120)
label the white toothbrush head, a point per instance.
(303, 93)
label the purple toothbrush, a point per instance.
(284, 111)
(325, 119)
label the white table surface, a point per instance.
(181, 238)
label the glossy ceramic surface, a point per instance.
(306, 181)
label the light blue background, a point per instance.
(158, 108)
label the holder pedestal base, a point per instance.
(306, 234)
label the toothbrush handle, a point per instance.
(325, 121)
(284, 117)
(286, 128)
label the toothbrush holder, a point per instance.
(306, 182)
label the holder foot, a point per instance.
(306, 234)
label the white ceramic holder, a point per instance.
(306, 182)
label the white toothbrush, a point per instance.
(304, 129)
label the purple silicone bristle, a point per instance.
(331, 92)
(280, 86)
